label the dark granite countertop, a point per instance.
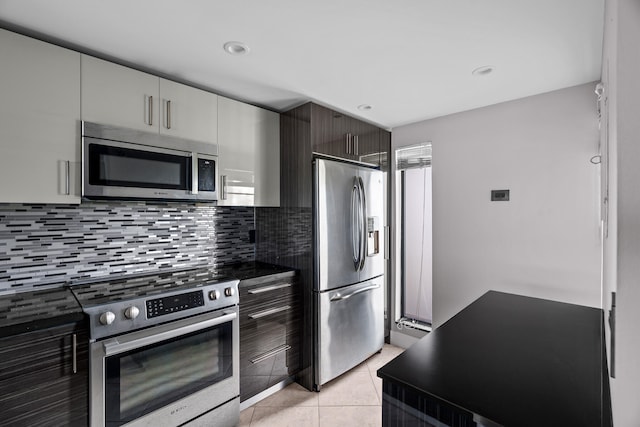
(252, 273)
(29, 311)
(514, 360)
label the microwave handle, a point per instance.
(194, 173)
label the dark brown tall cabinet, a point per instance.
(305, 130)
(44, 377)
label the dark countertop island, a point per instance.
(504, 360)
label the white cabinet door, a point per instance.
(249, 160)
(120, 96)
(39, 121)
(187, 112)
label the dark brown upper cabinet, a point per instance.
(336, 134)
(311, 128)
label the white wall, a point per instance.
(621, 72)
(545, 242)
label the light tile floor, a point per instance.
(353, 399)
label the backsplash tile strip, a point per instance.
(47, 245)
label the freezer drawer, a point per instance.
(350, 327)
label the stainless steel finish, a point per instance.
(121, 324)
(132, 312)
(227, 415)
(280, 349)
(74, 356)
(116, 133)
(362, 223)
(355, 217)
(338, 296)
(268, 312)
(335, 262)
(150, 109)
(349, 329)
(94, 133)
(168, 114)
(178, 412)
(387, 240)
(67, 179)
(194, 173)
(255, 291)
(349, 265)
(107, 318)
(139, 339)
(223, 186)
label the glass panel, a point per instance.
(417, 245)
(143, 380)
(126, 167)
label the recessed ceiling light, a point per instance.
(236, 48)
(364, 107)
(483, 71)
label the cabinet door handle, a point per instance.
(67, 180)
(268, 312)
(270, 353)
(168, 114)
(150, 108)
(355, 143)
(347, 145)
(223, 185)
(74, 358)
(268, 288)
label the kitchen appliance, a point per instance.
(120, 163)
(164, 349)
(349, 266)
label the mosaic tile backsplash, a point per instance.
(50, 245)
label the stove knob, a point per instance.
(107, 318)
(228, 292)
(214, 295)
(132, 312)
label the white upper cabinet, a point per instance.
(249, 160)
(121, 96)
(39, 121)
(187, 112)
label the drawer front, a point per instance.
(267, 291)
(270, 319)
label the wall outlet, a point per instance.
(499, 195)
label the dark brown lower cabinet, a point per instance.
(270, 320)
(38, 385)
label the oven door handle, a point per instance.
(121, 345)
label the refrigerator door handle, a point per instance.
(339, 297)
(363, 225)
(355, 229)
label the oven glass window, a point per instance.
(125, 167)
(143, 380)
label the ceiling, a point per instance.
(408, 59)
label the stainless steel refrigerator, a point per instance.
(349, 266)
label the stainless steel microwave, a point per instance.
(120, 163)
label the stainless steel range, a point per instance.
(164, 349)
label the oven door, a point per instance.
(167, 374)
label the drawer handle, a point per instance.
(269, 288)
(74, 360)
(271, 353)
(269, 312)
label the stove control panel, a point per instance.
(174, 303)
(127, 315)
